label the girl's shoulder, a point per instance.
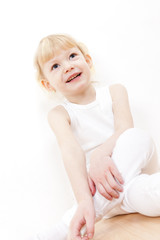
(116, 87)
(59, 122)
(117, 90)
(58, 112)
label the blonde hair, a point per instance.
(50, 46)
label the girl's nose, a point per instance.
(68, 68)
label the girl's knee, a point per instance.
(135, 134)
(143, 195)
(137, 138)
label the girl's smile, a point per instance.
(73, 77)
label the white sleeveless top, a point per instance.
(92, 124)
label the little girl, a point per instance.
(107, 160)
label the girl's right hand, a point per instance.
(84, 216)
(104, 176)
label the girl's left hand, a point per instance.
(84, 217)
(105, 175)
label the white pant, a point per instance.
(132, 155)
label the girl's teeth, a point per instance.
(73, 77)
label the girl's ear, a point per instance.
(89, 60)
(47, 85)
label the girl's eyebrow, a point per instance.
(74, 50)
(52, 60)
(57, 58)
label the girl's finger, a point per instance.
(91, 186)
(117, 175)
(76, 229)
(90, 221)
(103, 191)
(113, 182)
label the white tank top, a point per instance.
(92, 124)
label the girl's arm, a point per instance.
(122, 116)
(103, 174)
(75, 165)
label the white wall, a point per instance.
(123, 38)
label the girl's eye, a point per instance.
(55, 66)
(72, 55)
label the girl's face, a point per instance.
(68, 72)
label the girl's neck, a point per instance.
(87, 96)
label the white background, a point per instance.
(124, 41)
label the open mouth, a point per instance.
(74, 77)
